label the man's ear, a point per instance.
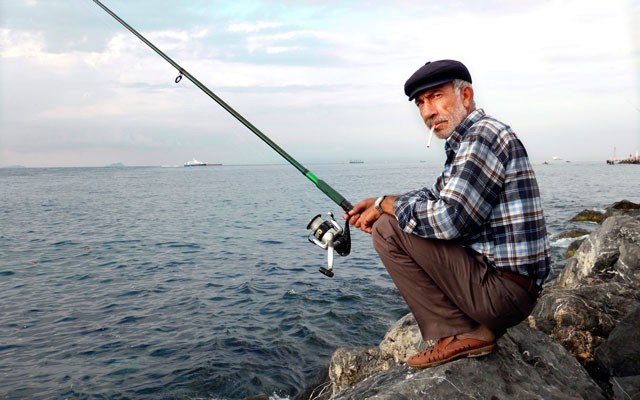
(467, 96)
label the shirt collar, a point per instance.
(453, 142)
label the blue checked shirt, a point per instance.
(487, 198)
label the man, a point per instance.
(470, 254)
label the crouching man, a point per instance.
(470, 253)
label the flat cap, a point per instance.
(434, 74)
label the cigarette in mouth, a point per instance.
(430, 136)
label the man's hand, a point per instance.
(364, 214)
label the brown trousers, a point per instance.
(448, 291)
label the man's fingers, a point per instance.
(352, 219)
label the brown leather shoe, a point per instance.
(448, 349)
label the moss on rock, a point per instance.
(573, 247)
(589, 216)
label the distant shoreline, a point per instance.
(370, 163)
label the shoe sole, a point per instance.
(479, 352)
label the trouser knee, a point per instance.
(380, 233)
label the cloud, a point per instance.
(301, 41)
(83, 112)
(252, 27)
(312, 74)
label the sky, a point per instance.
(322, 79)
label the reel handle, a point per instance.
(329, 270)
(326, 271)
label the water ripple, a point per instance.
(129, 283)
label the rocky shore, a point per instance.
(581, 341)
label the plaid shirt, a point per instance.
(487, 198)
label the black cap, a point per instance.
(434, 74)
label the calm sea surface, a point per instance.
(151, 283)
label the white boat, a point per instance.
(195, 163)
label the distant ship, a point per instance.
(196, 163)
(356, 162)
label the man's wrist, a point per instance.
(378, 204)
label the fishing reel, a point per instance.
(329, 236)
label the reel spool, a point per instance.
(329, 236)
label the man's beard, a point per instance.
(454, 118)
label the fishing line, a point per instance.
(325, 233)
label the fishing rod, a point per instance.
(325, 233)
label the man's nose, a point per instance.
(427, 111)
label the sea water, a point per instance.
(150, 283)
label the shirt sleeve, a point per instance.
(464, 198)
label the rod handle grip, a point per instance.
(334, 195)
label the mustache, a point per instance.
(431, 121)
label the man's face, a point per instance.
(443, 109)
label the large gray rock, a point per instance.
(582, 318)
(626, 388)
(527, 364)
(621, 207)
(613, 249)
(403, 340)
(593, 309)
(619, 357)
(351, 365)
(599, 286)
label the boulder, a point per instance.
(351, 365)
(582, 318)
(613, 249)
(573, 247)
(589, 216)
(625, 207)
(619, 356)
(575, 236)
(526, 364)
(626, 388)
(403, 340)
(571, 234)
(598, 289)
